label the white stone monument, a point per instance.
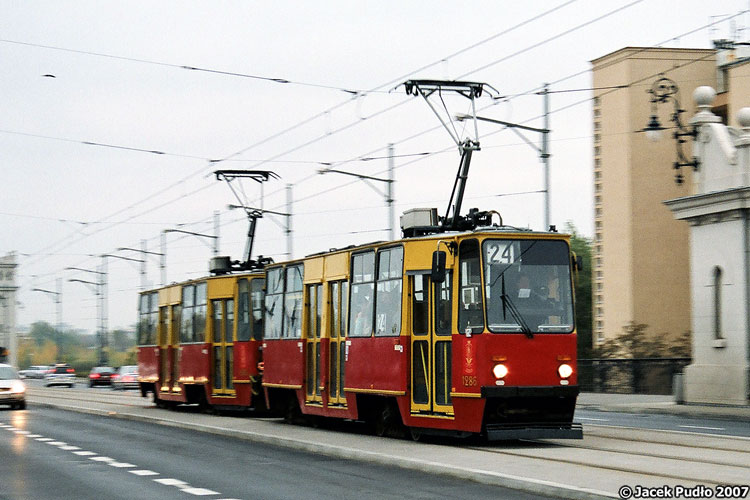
(8, 289)
(719, 217)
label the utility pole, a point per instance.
(545, 156)
(289, 220)
(389, 193)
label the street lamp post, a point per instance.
(662, 91)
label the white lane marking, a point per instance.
(143, 472)
(44, 440)
(702, 428)
(171, 482)
(102, 459)
(200, 491)
(85, 453)
(120, 465)
(69, 448)
(57, 443)
(24, 433)
(34, 436)
(593, 419)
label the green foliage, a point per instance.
(47, 345)
(581, 247)
(636, 342)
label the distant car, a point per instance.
(34, 371)
(12, 388)
(60, 374)
(101, 375)
(126, 378)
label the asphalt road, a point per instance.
(663, 422)
(55, 454)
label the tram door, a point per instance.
(431, 346)
(169, 355)
(339, 294)
(223, 345)
(314, 317)
(165, 374)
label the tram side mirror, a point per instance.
(577, 262)
(438, 266)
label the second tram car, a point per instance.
(199, 342)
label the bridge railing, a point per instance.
(629, 375)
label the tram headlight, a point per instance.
(565, 370)
(500, 371)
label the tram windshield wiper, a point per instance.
(510, 306)
(507, 303)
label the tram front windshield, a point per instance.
(528, 286)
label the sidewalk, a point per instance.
(649, 403)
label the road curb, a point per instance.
(529, 485)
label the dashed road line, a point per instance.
(703, 428)
(143, 472)
(200, 491)
(168, 481)
(182, 485)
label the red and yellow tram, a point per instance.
(462, 327)
(486, 344)
(199, 341)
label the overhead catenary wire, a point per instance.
(269, 160)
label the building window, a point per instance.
(718, 274)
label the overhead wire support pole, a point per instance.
(143, 250)
(542, 150)
(99, 288)
(58, 301)
(387, 194)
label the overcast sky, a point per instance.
(106, 139)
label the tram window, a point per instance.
(344, 304)
(292, 327)
(273, 303)
(218, 314)
(470, 311)
(229, 323)
(256, 298)
(363, 288)
(444, 306)
(186, 327)
(420, 306)
(143, 308)
(153, 320)
(199, 320)
(243, 310)
(388, 299)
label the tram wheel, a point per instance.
(292, 413)
(388, 422)
(416, 434)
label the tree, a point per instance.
(636, 342)
(581, 247)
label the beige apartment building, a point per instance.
(641, 253)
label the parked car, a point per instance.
(34, 371)
(60, 374)
(126, 378)
(101, 375)
(12, 388)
